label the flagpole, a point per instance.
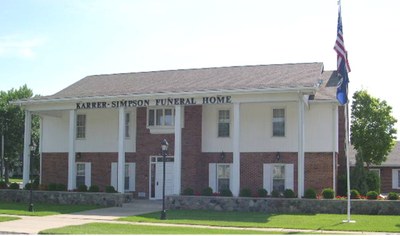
(347, 145)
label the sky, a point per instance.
(51, 44)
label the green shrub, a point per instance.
(393, 196)
(28, 186)
(373, 182)
(246, 192)
(82, 188)
(262, 192)
(275, 193)
(94, 189)
(110, 189)
(288, 193)
(354, 194)
(372, 195)
(3, 185)
(15, 186)
(61, 187)
(226, 192)
(310, 194)
(328, 193)
(52, 187)
(207, 192)
(188, 191)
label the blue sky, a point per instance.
(50, 44)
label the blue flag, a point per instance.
(343, 67)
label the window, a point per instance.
(80, 174)
(126, 187)
(127, 122)
(129, 176)
(223, 123)
(219, 176)
(161, 117)
(81, 126)
(278, 177)
(278, 122)
(396, 178)
(223, 173)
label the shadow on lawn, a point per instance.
(202, 215)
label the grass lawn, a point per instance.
(109, 228)
(40, 209)
(371, 223)
(14, 180)
(7, 218)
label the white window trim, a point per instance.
(85, 127)
(129, 125)
(160, 129)
(272, 122)
(132, 175)
(230, 121)
(268, 176)
(88, 173)
(213, 177)
(395, 178)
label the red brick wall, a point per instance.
(318, 171)
(54, 168)
(251, 168)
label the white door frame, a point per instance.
(157, 181)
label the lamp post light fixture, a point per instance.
(164, 150)
(32, 148)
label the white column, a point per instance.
(178, 150)
(236, 150)
(121, 151)
(300, 155)
(71, 151)
(40, 149)
(27, 141)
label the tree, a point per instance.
(12, 127)
(372, 128)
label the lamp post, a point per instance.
(32, 148)
(164, 149)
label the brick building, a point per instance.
(264, 126)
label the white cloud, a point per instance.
(15, 46)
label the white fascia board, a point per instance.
(304, 90)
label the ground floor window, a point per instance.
(396, 178)
(83, 174)
(278, 177)
(129, 176)
(220, 176)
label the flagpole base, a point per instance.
(348, 221)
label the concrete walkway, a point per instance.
(35, 224)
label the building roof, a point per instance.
(393, 160)
(224, 79)
(328, 87)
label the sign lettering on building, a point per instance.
(154, 102)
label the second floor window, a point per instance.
(223, 123)
(278, 123)
(161, 117)
(80, 126)
(127, 122)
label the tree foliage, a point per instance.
(12, 126)
(372, 128)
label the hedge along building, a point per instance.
(263, 126)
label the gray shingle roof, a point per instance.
(393, 160)
(300, 75)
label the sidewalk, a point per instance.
(35, 224)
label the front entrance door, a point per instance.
(156, 176)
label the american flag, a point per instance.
(343, 67)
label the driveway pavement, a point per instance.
(35, 224)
